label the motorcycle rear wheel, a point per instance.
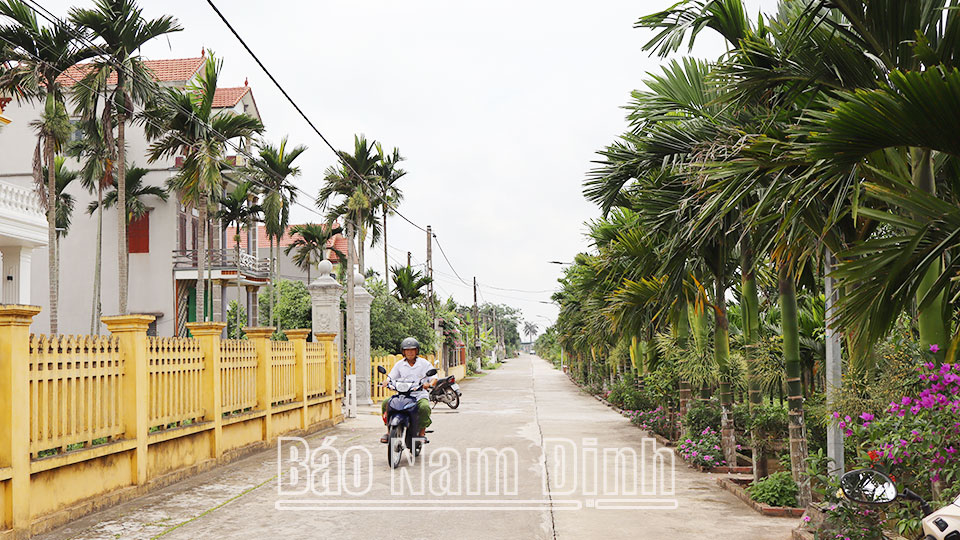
(395, 446)
(451, 398)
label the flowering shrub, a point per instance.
(703, 449)
(915, 441)
(659, 420)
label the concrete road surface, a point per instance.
(566, 470)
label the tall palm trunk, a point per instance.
(273, 280)
(122, 258)
(236, 243)
(698, 324)
(681, 326)
(749, 306)
(351, 320)
(791, 360)
(97, 264)
(361, 241)
(721, 353)
(386, 262)
(53, 267)
(930, 318)
(201, 259)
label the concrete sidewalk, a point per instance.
(513, 409)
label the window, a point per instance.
(138, 235)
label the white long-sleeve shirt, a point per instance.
(403, 371)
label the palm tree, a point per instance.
(408, 283)
(96, 175)
(530, 330)
(238, 208)
(124, 31)
(275, 171)
(309, 241)
(346, 193)
(37, 56)
(389, 194)
(136, 191)
(185, 123)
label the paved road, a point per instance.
(519, 409)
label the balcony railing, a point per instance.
(222, 259)
(21, 201)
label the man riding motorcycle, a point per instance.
(413, 368)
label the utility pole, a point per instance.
(408, 258)
(430, 270)
(832, 360)
(476, 321)
(496, 331)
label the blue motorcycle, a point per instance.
(401, 418)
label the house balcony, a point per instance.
(23, 227)
(222, 264)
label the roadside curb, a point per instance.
(733, 486)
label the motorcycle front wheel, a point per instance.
(451, 398)
(395, 446)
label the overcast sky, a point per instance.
(498, 106)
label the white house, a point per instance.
(162, 245)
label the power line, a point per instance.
(50, 17)
(280, 87)
(444, 253)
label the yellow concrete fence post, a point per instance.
(299, 339)
(329, 363)
(260, 337)
(208, 334)
(331, 376)
(131, 330)
(14, 411)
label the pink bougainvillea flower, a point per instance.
(934, 348)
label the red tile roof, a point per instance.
(338, 241)
(174, 70)
(229, 97)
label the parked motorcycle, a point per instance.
(868, 486)
(401, 418)
(446, 391)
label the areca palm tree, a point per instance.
(136, 192)
(64, 201)
(123, 30)
(346, 194)
(309, 241)
(185, 123)
(275, 170)
(96, 174)
(388, 173)
(408, 283)
(238, 208)
(37, 56)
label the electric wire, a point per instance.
(50, 17)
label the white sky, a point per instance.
(498, 107)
